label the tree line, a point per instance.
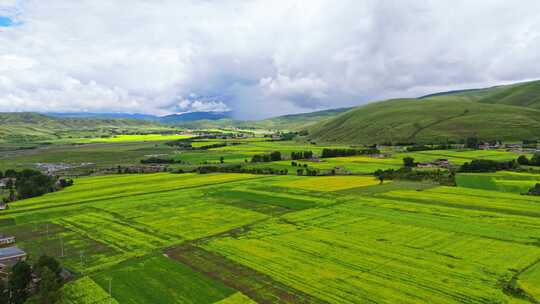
(301, 155)
(264, 158)
(33, 284)
(241, 169)
(326, 152)
(31, 183)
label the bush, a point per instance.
(523, 160)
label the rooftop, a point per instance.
(10, 252)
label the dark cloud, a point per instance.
(254, 57)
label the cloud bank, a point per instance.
(256, 58)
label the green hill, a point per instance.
(526, 94)
(31, 127)
(504, 113)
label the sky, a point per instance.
(256, 58)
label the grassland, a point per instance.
(499, 113)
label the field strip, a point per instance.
(39, 208)
(466, 207)
(258, 286)
(513, 289)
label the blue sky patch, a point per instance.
(5, 21)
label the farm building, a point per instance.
(424, 165)
(8, 257)
(442, 162)
(4, 181)
(6, 240)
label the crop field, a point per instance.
(241, 238)
(394, 249)
(459, 157)
(86, 291)
(500, 181)
(158, 279)
(95, 155)
(330, 183)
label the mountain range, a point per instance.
(507, 112)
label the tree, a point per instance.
(49, 262)
(4, 295)
(18, 282)
(472, 143)
(408, 162)
(535, 160)
(523, 160)
(275, 156)
(222, 159)
(48, 289)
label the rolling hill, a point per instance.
(286, 122)
(509, 112)
(31, 127)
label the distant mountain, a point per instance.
(32, 127)
(285, 122)
(193, 116)
(103, 115)
(509, 112)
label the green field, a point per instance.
(508, 113)
(239, 238)
(135, 138)
(500, 181)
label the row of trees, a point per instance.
(274, 156)
(21, 288)
(31, 183)
(417, 148)
(486, 165)
(301, 155)
(348, 152)
(534, 161)
(442, 177)
(160, 160)
(241, 169)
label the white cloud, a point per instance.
(264, 58)
(186, 105)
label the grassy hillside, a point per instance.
(526, 94)
(425, 120)
(31, 127)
